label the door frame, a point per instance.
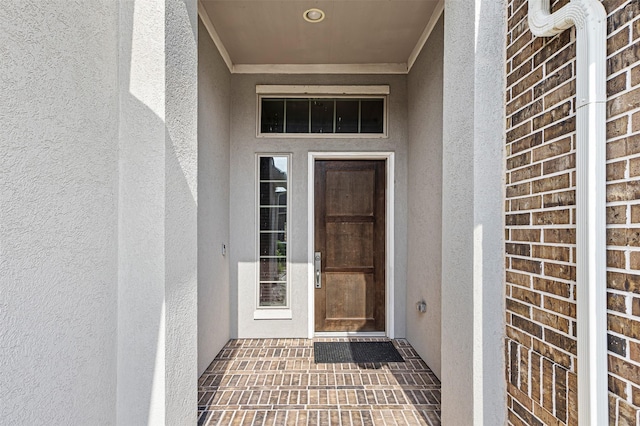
(389, 158)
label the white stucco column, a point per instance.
(58, 212)
(473, 380)
(157, 206)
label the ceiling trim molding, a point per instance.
(435, 16)
(204, 16)
(320, 69)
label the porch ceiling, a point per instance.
(354, 32)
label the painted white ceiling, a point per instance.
(353, 31)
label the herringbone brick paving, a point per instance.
(276, 382)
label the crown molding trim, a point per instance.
(435, 16)
(320, 69)
(206, 21)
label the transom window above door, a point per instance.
(322, 111)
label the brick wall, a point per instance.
(541, 344)
(623, 209)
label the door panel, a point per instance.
(347, 291)
(350, 192)
(350, 235)
(349, 245)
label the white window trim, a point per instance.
(389, 234)
(272, 312)
(302, 90)
(316, 91)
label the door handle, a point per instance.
(318, 268)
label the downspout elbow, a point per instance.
(543, 23)
(589, 18)
(593, 46)
(581, 13)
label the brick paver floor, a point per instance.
(276, 382)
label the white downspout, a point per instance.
(589, 17)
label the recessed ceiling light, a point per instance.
(313, 15)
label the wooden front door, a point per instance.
(350, 238)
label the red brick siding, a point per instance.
(623, 204)
(541, 344)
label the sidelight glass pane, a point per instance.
(273, 269)
(347, 116)
(297, 116)
(371, 115)
(273, 168)
(273, 294)
(273, 218)
(273, 193)
(273, 244)
(322, 116)
(272, 120)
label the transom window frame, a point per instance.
(323, 92)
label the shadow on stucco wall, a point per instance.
(157, 289)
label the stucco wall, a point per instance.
(214, 87)
(181, 213)
(58, 212)
(242, 248)
(157, 245)
(141, 372)
(424, 164)
(473, 384)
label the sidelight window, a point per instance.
(273, 201)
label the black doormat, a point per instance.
(355, 352)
